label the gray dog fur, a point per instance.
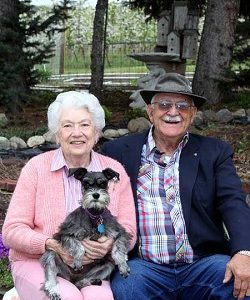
(78, 226)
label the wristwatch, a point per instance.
(244, 252)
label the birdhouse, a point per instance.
(173, 43)
(180, 11)
(192, 20)
(162, 30)
(190, 43)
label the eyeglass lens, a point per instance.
(167, 105)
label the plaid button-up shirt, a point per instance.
(162, 230)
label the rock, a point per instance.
(4, 143)
(138, 125)
(224, 116)
(48, 146)
(209, 115)
(241, 120)
(110, 133)
(28, 153)
(248, 112)
(239, 113)
(50, 137)
(194, 130)
(3, 120)
(17, 143)
(123, 131)
(198, 120)
(35, 141)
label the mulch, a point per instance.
(9, 172)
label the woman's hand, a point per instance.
(97, 249)
(52, 244)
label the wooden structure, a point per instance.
(177, 40)
(163, 26)
(190, 43)
(173, 43)
(178, 32)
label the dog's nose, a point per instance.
(96, 195)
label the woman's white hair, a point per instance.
(75, 100)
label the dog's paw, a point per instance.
(52, 291)
(77, 265)
(124, 270)
(82, 283)
(54, 297)
(96, 282)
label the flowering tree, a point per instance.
(119, 27)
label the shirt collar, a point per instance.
(151, 146)
(59, 162)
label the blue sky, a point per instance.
(49, 2)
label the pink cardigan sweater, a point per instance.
(37, 206)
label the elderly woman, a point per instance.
(44, 195)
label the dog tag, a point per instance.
(101, 228)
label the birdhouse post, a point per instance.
(179, 12)
(190, 44)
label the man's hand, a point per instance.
(239, 267)
(97, 249)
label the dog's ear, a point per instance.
(78, 173)
(110, 174)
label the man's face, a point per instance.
(171, 121)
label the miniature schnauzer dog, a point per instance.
(91, 220)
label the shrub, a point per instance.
(107, 112)
(134, 113)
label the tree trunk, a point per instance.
(216, 46)
(11, 58)
(62, 53)
(98, 46)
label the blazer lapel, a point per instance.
(131, 157)
(189, 163)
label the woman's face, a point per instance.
(77, 134)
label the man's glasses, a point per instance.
(167, 105)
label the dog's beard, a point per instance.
(92, 203)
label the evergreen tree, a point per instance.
(22, 47)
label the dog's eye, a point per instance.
(87, 183)
(102, 184)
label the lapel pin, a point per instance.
(195, 154)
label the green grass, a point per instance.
(115, 62)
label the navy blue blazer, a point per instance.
(210, 191)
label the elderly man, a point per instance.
(192, 216)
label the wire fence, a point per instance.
(69, 60)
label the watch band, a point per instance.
(244, 252)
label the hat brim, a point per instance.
(147, 96)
